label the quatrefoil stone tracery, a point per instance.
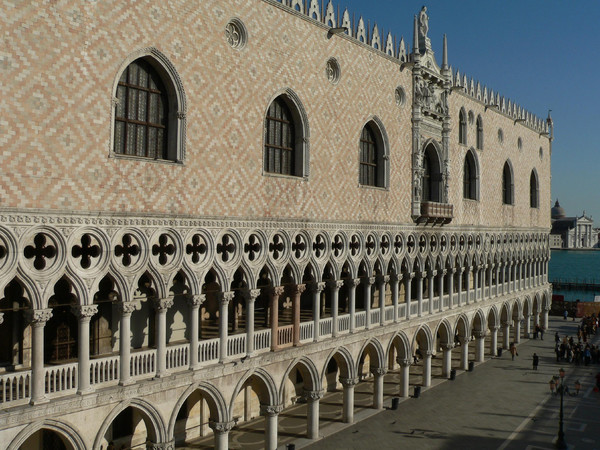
(164, 249)
(226, 248)
(127, 249)
(86, 251)
(252, 248)
(299, 246)
(40, 251)
(196, 249)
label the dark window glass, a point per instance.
(427, 187)
(462, 128)
(279, 140)
(141, 113)
(469, 178)
(507, 186)
(533, 191)
(479, 133)
(368, 157)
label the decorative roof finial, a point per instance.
(445, 54)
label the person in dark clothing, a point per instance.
(536, 361)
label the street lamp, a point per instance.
(560, 441)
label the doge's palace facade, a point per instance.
(213, 211)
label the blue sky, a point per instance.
(541, 54)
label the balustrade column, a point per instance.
(317, 288)
(395, 279)
(334, 286)
(348, 399)
(352, 283)
(464, 352)
(506, 335)
(447, 361)
(404, 376)
(494, 340)
(296, 292)
(460, 286)
(368, 283)
(125, 310)
(312, 423)
(441, 289)
(407, 293)
(451, 273)
(274, 307)
(383, 280)
(271, 413)
(221, 433)
(427, 368)
(378, 377)
(38, 318)
(162, 306)
(420, 293)
(85, 314)
(251, 296)
(480, 349)
(194, 301)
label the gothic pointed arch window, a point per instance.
(507, 184)
(470, 177)
(534, 190)
(479, 133)
(462, 127)
(149, 115)
(286, 138)
(373, 167)
(432, 176)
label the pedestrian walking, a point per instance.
(536, 361)
(556, 337)
(513, 350)
(565, 314)
(542, 333)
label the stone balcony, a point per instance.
(436, 213)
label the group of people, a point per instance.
(580, 351)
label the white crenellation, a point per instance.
(375, 38)
(347, 24)
(389, 44)
(329, 18)
(361, 34)
(402, 51)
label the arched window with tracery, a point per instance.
(533, 190)
(462, 127)
(507, 185)
(280, 152)
(368, 157)
(479, 133)
(432, 176)
(470, 177)
(142, 113)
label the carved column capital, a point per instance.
(335, 284)
(395, 278)
(464, 340)
(312, 395)
(479, 334)
(162, 304)
(270, 410)
(221, 427)
(349, 382)
(353, 282)
(196, 300)
(251, 294)
(370, 280)
(226, 297)
(447, 346)
(404, 362)
(317, 288)
(426, 353)
(39, 316)
(494, 328)
(379, 371)
(160, 446)
(85, 311)
(276, 291)
(296, 289)
(126, 307)
(382, 279)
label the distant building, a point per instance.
(571, 232)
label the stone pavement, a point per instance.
(502, 404)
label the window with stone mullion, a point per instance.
(368, 158)
(279, 140)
